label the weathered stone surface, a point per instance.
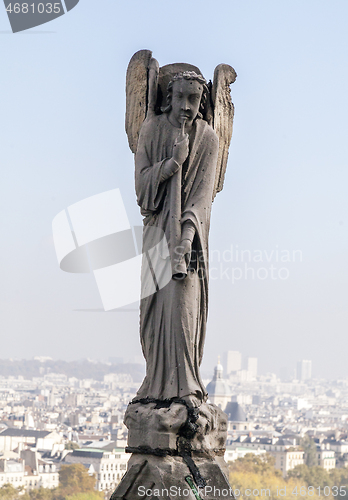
(204, 429)
(154, 428)
(224, 75)
(136, 91)
(169, 478)
(211, 434)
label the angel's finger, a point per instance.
(182, 131)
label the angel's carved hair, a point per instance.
(186, 75)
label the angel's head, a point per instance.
(186, 95)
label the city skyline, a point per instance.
(248, 368)
(56, 420)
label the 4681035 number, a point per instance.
(308, 491)
(41, 8)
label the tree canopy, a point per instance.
(258, 476)
(75, 479)
(74, 484)
(310, 449)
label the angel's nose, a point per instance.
(184, 105)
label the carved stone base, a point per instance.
(167, 426)
(169, 478)
(175, 449)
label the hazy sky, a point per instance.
(63, 140)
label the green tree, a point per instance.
(74, 479)
(310, 449)
(8, 492)
(42, 494)
(319, 477)
(339, 477)
(300, 472)
(97, 495)
(255, 473)
(262, 480)
(251, 463)
(313, 476)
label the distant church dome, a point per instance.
(235, 412)
(218, 387)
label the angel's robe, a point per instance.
(173, 319)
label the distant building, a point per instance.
(232, 361)
(39, 473)
(304, 370)
(232, 453)
(326, 457)
(252, 367)
(285, 451)
(218, 389)
(107, 462)
(31, 472)
(74, 399)
(237, 419)
(339, 447)
(12, 438)
(242, 399)
(287, 459)
(12, 472)
(117, 380)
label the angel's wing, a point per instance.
(141, 88)
(224, 75)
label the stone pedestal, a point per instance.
(177, 452)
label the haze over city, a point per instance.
(63, 140)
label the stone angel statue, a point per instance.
(179, 127)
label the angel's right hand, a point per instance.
(181, 147)
(181, 150)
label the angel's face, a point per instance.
(186, 98)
